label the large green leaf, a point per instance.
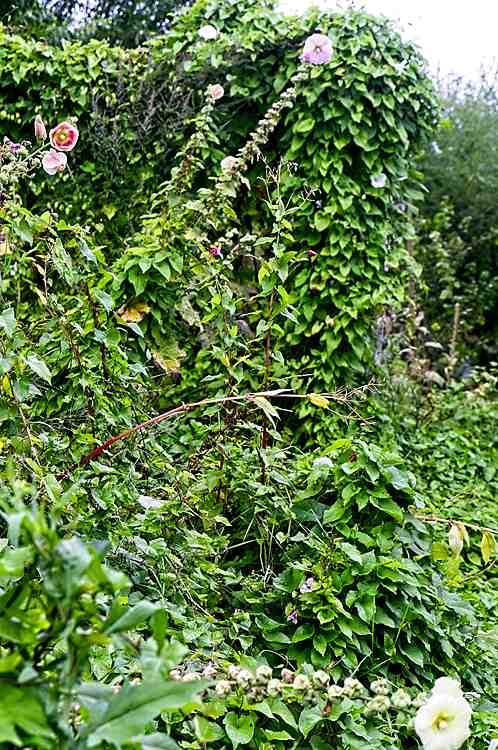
(133, 617)
(20, 709)
(129, 711)
(240, 729)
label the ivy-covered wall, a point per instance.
(353, 133)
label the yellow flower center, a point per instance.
(441, 721)
(61, 136)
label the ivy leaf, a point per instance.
(103, 298)
(128, 713)
(39, 367)
(240, 729)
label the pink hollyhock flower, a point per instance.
(54, 161)
(216, 91)
(64, 136)
(215, 251)
(317, 49)
(40, 129)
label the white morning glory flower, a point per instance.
(323, 461)
(379, 180)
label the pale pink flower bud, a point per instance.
(40, 129)
(64, 136)
(208, 32)
(317, 49)
(54, 161)
(216, 91)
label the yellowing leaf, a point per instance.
(318, 400)
(135, 313)
(487, 546)
(455, 539)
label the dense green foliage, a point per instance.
(200, 548)
(457, 234)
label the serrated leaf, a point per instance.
(20, 709)
(207, 731)
(39, 367)
(129, 711)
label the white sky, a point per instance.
(456, 36)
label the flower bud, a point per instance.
(263, 674)
(233, 671)
(334, 692)
(380, 687)
(223, 688)
(301, 682)
(274, 688)
(40, 129)
(320, 678)
(209, 671)
(190, 677)
(401, 699)
(244, 678)
(352, 687)
(287, 675)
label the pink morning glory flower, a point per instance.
(292, 617)
(54, 161)
(215, 251)
(317, 49)
(64, 136)
(307, 586)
